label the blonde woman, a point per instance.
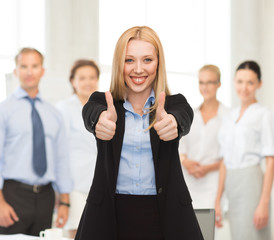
(138, 191)
(246, 138)
(199, 150)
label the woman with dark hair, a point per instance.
(84, 78)
(246, 138)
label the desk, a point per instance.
(23, 237)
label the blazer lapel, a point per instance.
(117, 140)
(155, 141)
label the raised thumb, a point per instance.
(160, 111)
(110, 107)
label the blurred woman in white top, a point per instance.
(199, 150)
(246, 138)
(84, 78)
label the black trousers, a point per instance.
(138, 217)
(32, 204)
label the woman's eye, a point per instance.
(128, 60)
(148, 60)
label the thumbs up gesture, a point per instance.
(166, 124)
(106, 125)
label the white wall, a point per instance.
(71, 33)
(267, 52)
(252, 38)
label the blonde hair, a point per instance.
(118, 86)
(212, 68)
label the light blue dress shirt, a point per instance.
(16, 143)
(136, 170)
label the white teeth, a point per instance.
(139, 79)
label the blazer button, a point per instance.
(160, 190)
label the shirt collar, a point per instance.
(150, 101)
(20, 93)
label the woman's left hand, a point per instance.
(166, 124)
(261, 216)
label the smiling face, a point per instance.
(140, 67)
(29, 70)
(246, 85)
(85, 81)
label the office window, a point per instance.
(22, 23)
(193, 33)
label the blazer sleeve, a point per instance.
(92, 110)
(178, 106)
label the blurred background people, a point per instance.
(246, 138)
(84, 79)
(199, 150)
(33, 154)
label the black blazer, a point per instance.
(178, 219)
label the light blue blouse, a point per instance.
(136, 170)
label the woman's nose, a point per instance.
(138, 67)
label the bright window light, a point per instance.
(22, 24)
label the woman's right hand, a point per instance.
(106, 125)
(218, 215)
